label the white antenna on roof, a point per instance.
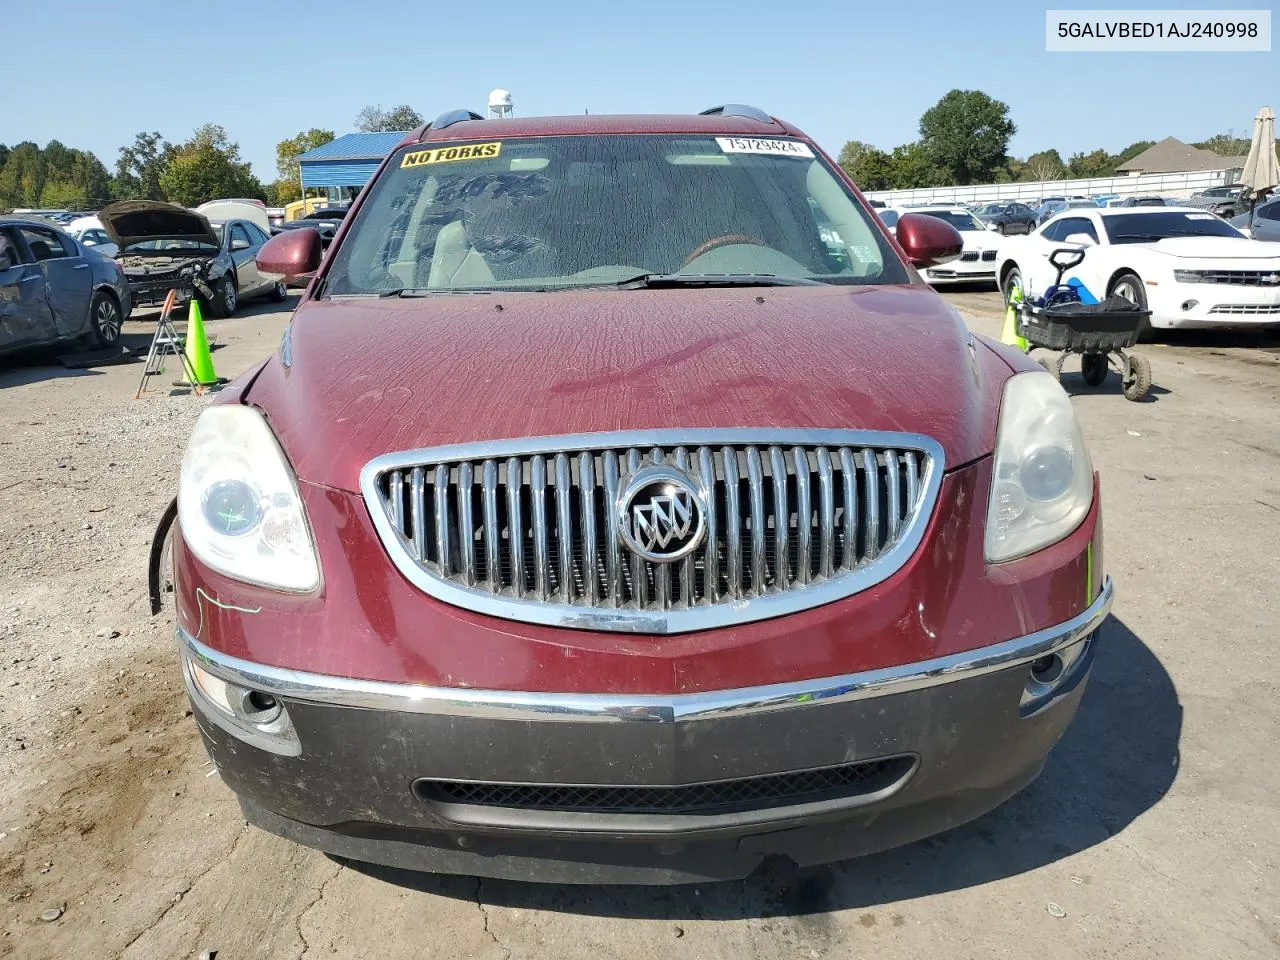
(500, 104)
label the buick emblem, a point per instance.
(661, 514)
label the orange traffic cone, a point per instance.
(196, 349)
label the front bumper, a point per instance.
(352, 772)
(1192, 306)
(959, 272)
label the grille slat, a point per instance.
(755, 487)
(804, 513)
(467, 528)
(698, 799)
(492, 538)
(564, 527)
(538, 502)
(541, 527)
(711, 554)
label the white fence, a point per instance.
(1173, 185)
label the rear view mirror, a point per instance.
(291, 254)
(928, 241)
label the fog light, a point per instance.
(1046, 669)
(254, 716)
(1190, 304)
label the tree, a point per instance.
(288, 151)
(914, 167)
(966, 134)
(870, 168)
(23, 176)
(64, 195)
(280, 192)
(1099, 163)
(1045, 165)
(139, 168)
(373, 119)
(1225, 145)
(1131, 151)
(4, 155)
(208, 167)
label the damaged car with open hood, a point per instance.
(662, 521)
(164, 247)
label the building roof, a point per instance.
(356, 146)
(1171, 155)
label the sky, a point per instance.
(100, 73)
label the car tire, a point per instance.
(279, 293)
(225, 298)
(1011, 279)
(104, 320)
(1129, 286)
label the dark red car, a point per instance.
(621, 506)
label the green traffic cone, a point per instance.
(1009, 334)
(196, 348)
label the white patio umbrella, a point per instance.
(1261, 170)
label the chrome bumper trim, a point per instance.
(591, 707)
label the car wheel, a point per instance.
(1129, 287)
(279, 292)
(1013, 278)
(225, 297)
(104, 319)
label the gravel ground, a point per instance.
(1152, 833)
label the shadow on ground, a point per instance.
(42, 363)
(1116, 761)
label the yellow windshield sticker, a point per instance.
(468, 151)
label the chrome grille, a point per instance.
(1245, 278)
(526, 529)
(1250, 309)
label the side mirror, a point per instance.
(6, 261)
(1079, 239)
(90, 243)
(238, 244)
(928, 241)
(993, 226)
(291, 254)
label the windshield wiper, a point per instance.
(659, 281)
(430, 291)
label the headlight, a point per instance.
(1042, 486)
(238, 503)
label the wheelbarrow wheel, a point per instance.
(1053, 365)
(1137, 379)
(1093, 367)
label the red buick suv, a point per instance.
(621, 506)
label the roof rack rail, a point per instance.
(450, 117)
(738, 110)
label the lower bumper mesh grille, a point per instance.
(725, 796)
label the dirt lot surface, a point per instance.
(1154, 831)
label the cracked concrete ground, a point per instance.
(1152, 833)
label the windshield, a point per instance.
(177, 246)
(959, 219)
(564, 212)
(1150, 227)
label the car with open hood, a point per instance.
(1188, 267)
(164, 247)
(645, 536)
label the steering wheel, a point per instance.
(723, 240)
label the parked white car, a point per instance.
(977, 262)
(1188, 267)
(88, 230)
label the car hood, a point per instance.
(1218, 248)
(134, 221)
(360, 378)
